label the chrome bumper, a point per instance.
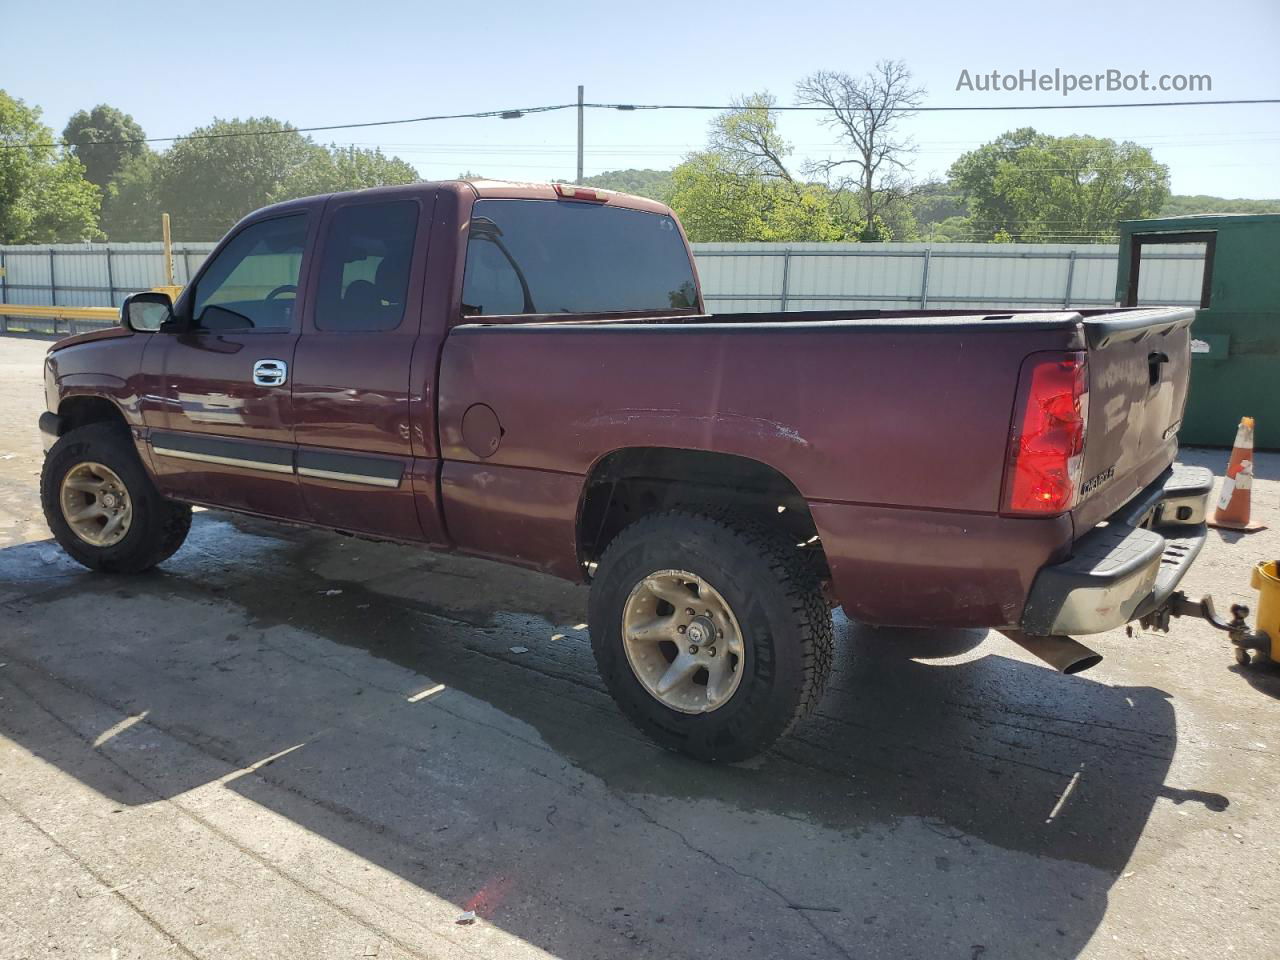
(1126, 569)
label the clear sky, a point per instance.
(176, 65)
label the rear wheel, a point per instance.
(711, 634)
(102, 507)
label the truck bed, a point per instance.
(892, 425)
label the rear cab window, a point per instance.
(548, 257)
(365, 265)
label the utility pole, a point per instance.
(579, 180)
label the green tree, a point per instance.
(895, 221)
(956, 229)
(347, 168)
(131, 208)
(210, 179)
(746, 137)
(714, 204)
(44, 197)
(95, 138)
(1031, 186)
(717, 203)
(935, 203)
(740, 187)
(875, 231)
(217, 174)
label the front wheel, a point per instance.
(712, 635)
(102, 507)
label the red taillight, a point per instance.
(568, 191)
(1046, 446)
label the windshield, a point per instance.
(547, 256)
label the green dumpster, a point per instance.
(1236, 335)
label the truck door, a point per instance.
(220, 418)
(359, 449)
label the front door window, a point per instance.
(252, 284)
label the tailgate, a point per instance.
(1139, 365)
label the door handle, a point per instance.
(1154, 361)
(270, 373)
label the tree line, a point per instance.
(100, 181)
(1024, 185)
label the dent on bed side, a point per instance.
(761, 426)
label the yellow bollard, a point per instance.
(1266, 580)
(169, 286)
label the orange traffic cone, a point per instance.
(1237, 486)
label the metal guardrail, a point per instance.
(77, 319)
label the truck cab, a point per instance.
(296, 376)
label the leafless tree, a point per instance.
(865, 112)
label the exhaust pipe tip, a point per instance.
(1091, 659)
(1064, 654)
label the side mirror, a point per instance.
(145, 312)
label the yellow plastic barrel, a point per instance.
(1266, 580)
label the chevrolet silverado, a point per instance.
(528, 373)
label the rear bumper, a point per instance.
(1121, 571)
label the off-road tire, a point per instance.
(778, 602)
(159, 526)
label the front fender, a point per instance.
(115, 390)
(109, 369)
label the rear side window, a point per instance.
(253, 281)
(364, 269)
(547, 256)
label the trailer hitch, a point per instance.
(1237, 629)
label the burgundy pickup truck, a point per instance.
(528, 373)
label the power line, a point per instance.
(480, 115)
(1252, 136)
(949, 108)
(691, 147)
(516, 113)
